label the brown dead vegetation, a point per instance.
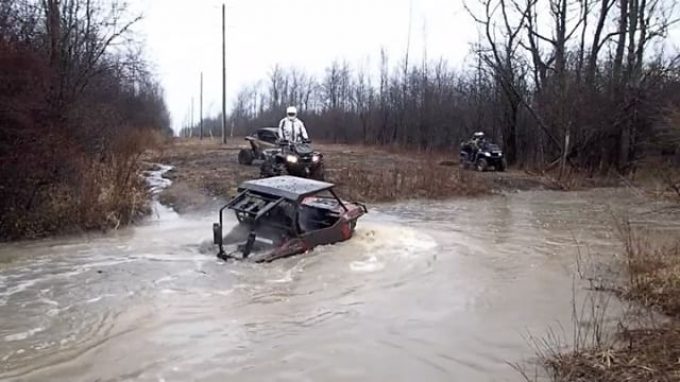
(206, 170)
(84, 194)
(75, 116)
(650, 353)
(407, 181)
(654, 272)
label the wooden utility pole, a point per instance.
(200, 107)
(187, 121)
(224, 79)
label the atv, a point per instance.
(488, 155)
(262, 139)
(297, 159)
(284, 216)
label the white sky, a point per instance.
(183, 38)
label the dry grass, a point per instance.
(407, 181)
(651, 353)
(362, 173)
(667, 182)
(91, 193)
(203, 169)
(653, 271)
(656, 176)
(648, 355)
(574, 180)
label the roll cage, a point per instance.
(277, 202)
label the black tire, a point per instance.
(319, 173)
(245, 157)
(482, 164)
(267, 169)
(503, 166)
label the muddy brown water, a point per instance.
(424, 291)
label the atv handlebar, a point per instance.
(285, 142)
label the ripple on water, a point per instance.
(420, 293)
(22, 335)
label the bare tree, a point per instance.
(74, 112)
(543, 84)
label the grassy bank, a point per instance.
(408, 181)
(647, 353)
(78, 107)
(70, 191)
(207, 170)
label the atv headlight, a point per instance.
(291, 159)
(487, 154)
(315, 158)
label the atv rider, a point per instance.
(475, 144)
(291, 128)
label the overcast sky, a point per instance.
(183, 38)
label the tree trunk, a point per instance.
(621, 44)
(565, 153)
(596, 43)
(582, 47)
(511, 136)
(632, 29)
(53, 20)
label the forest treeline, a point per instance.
(77, 108)
(559, 83)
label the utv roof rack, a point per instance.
(285, 186)
(254, 207)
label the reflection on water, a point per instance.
(425, 290)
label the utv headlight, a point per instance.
(291, 159)
(315, 158)
(487, 154)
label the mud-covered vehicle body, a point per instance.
(262, 139)
(283, 216)
(487, 156)
(296, 159)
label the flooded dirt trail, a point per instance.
(426, 290)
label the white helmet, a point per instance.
(291, 111)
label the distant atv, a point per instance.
(296, 159)
(262, 139)
(489, 155)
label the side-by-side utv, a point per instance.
(259, 142)
(283, 216)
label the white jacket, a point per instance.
(293, 131)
